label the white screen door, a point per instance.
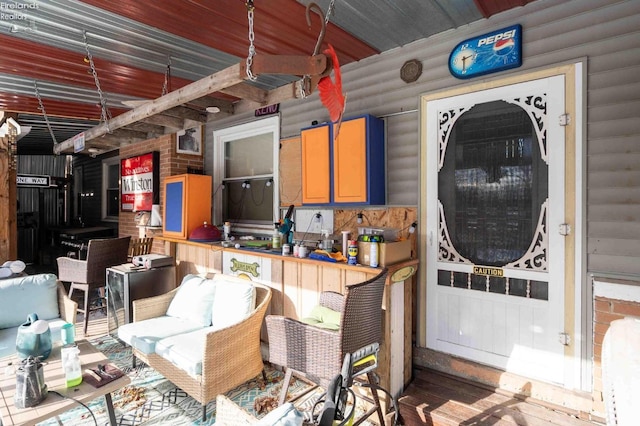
(495, 202)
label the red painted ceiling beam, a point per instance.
(280, 26)
(491, 7)
(46, 63)
(53, 108)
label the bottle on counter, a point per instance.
(373, 254)
(276, 239)
(227, 231)
(327, 243)
(352, 252)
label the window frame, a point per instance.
(106, 163)
(242, 131)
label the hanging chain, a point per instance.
(44, 113)
(252, 48)
(166, 87)
(105, 115)
(329, 12)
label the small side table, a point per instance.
(55, 404)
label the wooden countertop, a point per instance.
(217, 246)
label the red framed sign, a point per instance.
(140, 182)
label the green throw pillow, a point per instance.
(323, 317)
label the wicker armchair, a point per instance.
(87, 275)
(231, 355)
(318, 353)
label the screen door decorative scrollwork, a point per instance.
(495, 199)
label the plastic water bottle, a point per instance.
(227, 231)
(71, 365)
(276, 238)
(373, 255)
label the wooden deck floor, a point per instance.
(435, 398)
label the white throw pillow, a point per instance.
(234, 301)
(193, 300)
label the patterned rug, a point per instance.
(151, 399)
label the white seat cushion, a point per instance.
(143, 335)
(185, 350)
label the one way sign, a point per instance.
(40, 181)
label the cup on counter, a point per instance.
(68, 334)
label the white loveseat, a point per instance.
(204, 336)
(41, 294)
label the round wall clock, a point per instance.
(462, 60)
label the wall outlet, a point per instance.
(305, 220)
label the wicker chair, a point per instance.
(90, 274)
(318, 353)
(231, 355)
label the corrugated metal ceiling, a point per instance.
(132, 43)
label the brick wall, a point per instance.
(609, 306)
(171, 164)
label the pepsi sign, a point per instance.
(492, 52)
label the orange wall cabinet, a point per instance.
(355, 159)
(187, 204)
(316, 164)
(358, 161)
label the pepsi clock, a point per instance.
(492, 52)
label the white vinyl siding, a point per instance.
(603, 33)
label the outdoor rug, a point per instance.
(151, 399)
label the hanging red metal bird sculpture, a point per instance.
(331, 94)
